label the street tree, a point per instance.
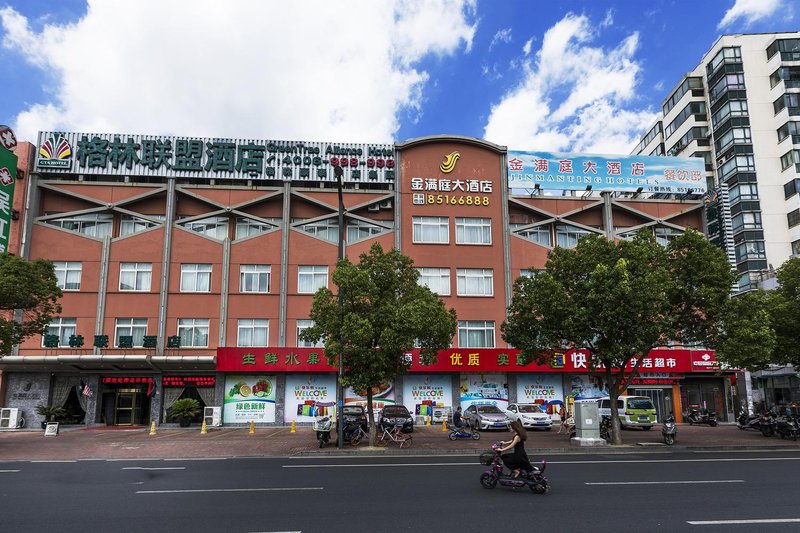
(378, 315)
(618, 301)
(29, 296)
(785, 312)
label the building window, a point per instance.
(740, 163)
(193, 332)
(473, 230)
(359, 229)
(324, 229)
(135, 276)
(68, 275)
(790, 100)
(92, 224)
(790, 158)
(735, 108)
(474, 282)
(726, 55)
(666, 235)
(431, 230)
(727, 83)
(791, 188)
(793, 217)
(254, 278)
(62, 328)
(796, 248)
(214, 227)
(130, 224)
(750, 250)
(733, 136)
(529, 272)
(311, 278)
(253, 332)
(743, 191)
(436, 279)
(130, 327)
(746, 221)
(476, 333)
(304, 325)
(568, 236)
(692, 108)
(537, 234)
(195, 278)
(245, 227)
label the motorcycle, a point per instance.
(748, 421)
(463, 432)
(787, 427)
(323, 425)
(767, 422)
(669, 431)
(701, 416)
(605, 428)
(534, 479)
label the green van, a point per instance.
(634, 411)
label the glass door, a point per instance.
(126, 408)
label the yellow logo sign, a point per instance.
(449, 162)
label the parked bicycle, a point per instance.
(394, 434)
(354, 434)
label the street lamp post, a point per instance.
(337, 171)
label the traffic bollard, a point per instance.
(153, 427)
(252, 427)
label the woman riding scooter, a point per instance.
(518, 459)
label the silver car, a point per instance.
(486, 417)
(529, 415)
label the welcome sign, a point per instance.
(428, 391)
(309, 396)
(539, 388)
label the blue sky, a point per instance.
(570, 75)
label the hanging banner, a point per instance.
(484, 389)
(421, 393)
(584, 387)
(249, 398)
(8, 178)
(541, 389)
(309, 396)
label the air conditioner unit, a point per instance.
(212, 416)
(386, 204)
(373, 207)
(9, 418)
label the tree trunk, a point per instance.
(613, 393)
(370, 417)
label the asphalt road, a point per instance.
(701, 492)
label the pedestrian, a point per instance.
(517, 460)
(562, 414)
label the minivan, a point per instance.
(634, 411)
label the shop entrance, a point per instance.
(126, 407)
(704, 393)
(662, 399)
(126, 401)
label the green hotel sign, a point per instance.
(8, 176)
(213, 158)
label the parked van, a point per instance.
(634, 411)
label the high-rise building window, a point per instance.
(252, 332)
(193, 332)
(743, 192)
(62, 328)
(254, 278)
(746, 221)
(195, 278)
(310, 278)
(476, 333)
(793, 218)
(475, 282)
(130, 327)
(473, 230)
(431, 230)
(135, 276)
(68, 275)
(436, 279)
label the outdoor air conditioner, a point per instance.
(386, 204)
(373, 207)
(212, 416)
(9, 417)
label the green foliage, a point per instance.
(785, 311)
(50, 412)
(383, 311)
(619, 300)
(185, 408)
(32, 288)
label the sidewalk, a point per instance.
(174, 443)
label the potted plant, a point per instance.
(184, 410)
(49, 412)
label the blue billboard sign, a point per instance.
(581, 172)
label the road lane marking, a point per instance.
(370, 465)
(56, 461)
(154, 468)
(8, 471)
(666, 482)
(754, 521)
(250, 489)
(198, 459)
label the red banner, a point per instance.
(483, 360)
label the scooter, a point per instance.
(787, 427)
(702, 416)
(767, 422)
(323, 426)
(669, 431)
(463, 432)
(534, 479)
(748, 421)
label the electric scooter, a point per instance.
(669, 431)
(463, 432)
(534, 479)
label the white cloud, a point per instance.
(502, 36)
(750, 11)
(573, 96)
(286, 70)
(526, 49)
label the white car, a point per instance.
(529, 415)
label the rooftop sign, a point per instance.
(581, 172)
(212, 158)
